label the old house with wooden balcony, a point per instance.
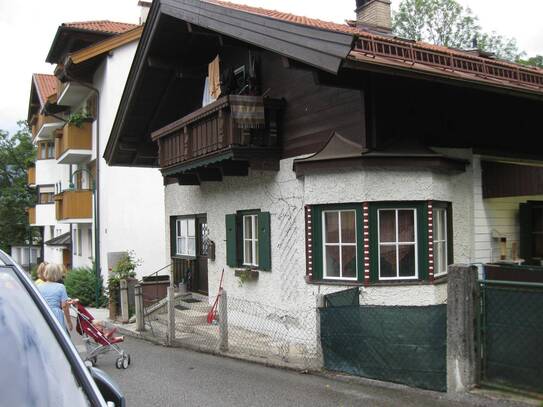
(322, 155)
(71, 127)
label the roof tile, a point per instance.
(46, 85)
(104, 26)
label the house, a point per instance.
(84, 220)
(320, 156)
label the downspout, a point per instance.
(96, 185)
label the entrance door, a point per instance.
(67, 258)
(202, 251)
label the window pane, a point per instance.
(439, 224)
(183, 246)
(248, 252)
(331, 226)
(537, 216)
(191, 228)
(248, 227)
(332, 261)
(191, 246)
(406, 225)
(387, 226)
(439, 257)
(183, 227)
(348, 227)
(348, 260)
(388, 261)
(407, 260)
(256, 253)
(255, 230)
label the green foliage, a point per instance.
(446, 22)
(78, 118)
(34, 273)
(81, 283)
(533, 61)
(17, 153)
(123, 269)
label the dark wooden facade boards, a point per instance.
(503, 180)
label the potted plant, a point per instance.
(123, 270)
(245, 275)
(78, 119)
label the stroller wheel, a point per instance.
(119, 363)
(126, 362)
(128, 358)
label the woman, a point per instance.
(41, 279)
(55, 294)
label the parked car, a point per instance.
(40, 365)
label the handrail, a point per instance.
(152, 301)
(511, 283)
(156, 272)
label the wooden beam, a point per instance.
(188, 179)
(235, 169)
(209, 174)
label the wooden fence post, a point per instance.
(170, 338)
(140, 324)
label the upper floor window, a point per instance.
(46, 198)
(339, 244)
(46, 150)
(250, 240)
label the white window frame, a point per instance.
(178, 237)
(397, 244)
(253, 262)
(340, 244)
(444, 241)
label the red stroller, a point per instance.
(97, 341)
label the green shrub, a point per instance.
(34, 273)
(81, 283)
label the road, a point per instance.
(160, 376)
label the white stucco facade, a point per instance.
(131, 200)
(284, 196)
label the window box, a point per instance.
(246, 274)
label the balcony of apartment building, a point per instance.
(73, 206)
(43, 127)
(31, 212)
(73, 144)
(71, 93)
(43, 213)
(31, 176)
(223, 138)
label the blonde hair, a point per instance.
(53, 272)
(41, 271)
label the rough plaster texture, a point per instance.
(284, 196)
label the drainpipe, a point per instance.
(97, 185)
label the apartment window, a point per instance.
(185, 232)
(46, 198)
(440, 251)
(339, 244)
(248, 239)
(46, 150)
(397, 244)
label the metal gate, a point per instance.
(511, 334)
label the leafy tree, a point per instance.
(533, 61)
(446, 22)
(17, 153)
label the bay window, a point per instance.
(440, 241)
(339, 244)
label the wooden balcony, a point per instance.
(73, 145)
(224, 138)
(38, 121)
(31, 215)
(73, 206)
(31, 176)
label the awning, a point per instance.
(62, 240)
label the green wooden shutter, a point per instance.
(231, 241)
(264, 241)
(525, 220)
(173, 240)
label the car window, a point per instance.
(34, 370)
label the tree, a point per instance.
(447, 23)
(533, 61)
(17, 153)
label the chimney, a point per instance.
(144, 10)
(374, 15)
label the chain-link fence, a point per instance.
(512, 334)
(247, 329)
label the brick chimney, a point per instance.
(374, 15)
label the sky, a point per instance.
(27, 28)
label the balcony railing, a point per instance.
(73, 205)
(31, 176)
(38, 122)
(31, 215)
(245, 127)
(73, 145)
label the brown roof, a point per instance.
(46, 85)
(387, 49)
(104, 26)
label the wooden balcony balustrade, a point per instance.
(73, 205)
(235, 128)
(31, 215)
(39, 120)
(31, 176)
(73, 138)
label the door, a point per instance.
(67, 258)
(202, 252)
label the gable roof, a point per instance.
(105, 26)
(45, 85)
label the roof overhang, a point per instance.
(319, 48)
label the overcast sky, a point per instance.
(27, 28)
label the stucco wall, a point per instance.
(131, 199)
(284, 196)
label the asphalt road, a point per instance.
(160, 376)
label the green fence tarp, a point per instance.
(513, 337)
(398, 344)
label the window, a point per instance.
(46, 198)
(79, 242)
(46, 150)
(185, 234)
(339, 244)
(397, 244)
(531, 232)
(440, 241)
(250, 240)
(74, 238)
